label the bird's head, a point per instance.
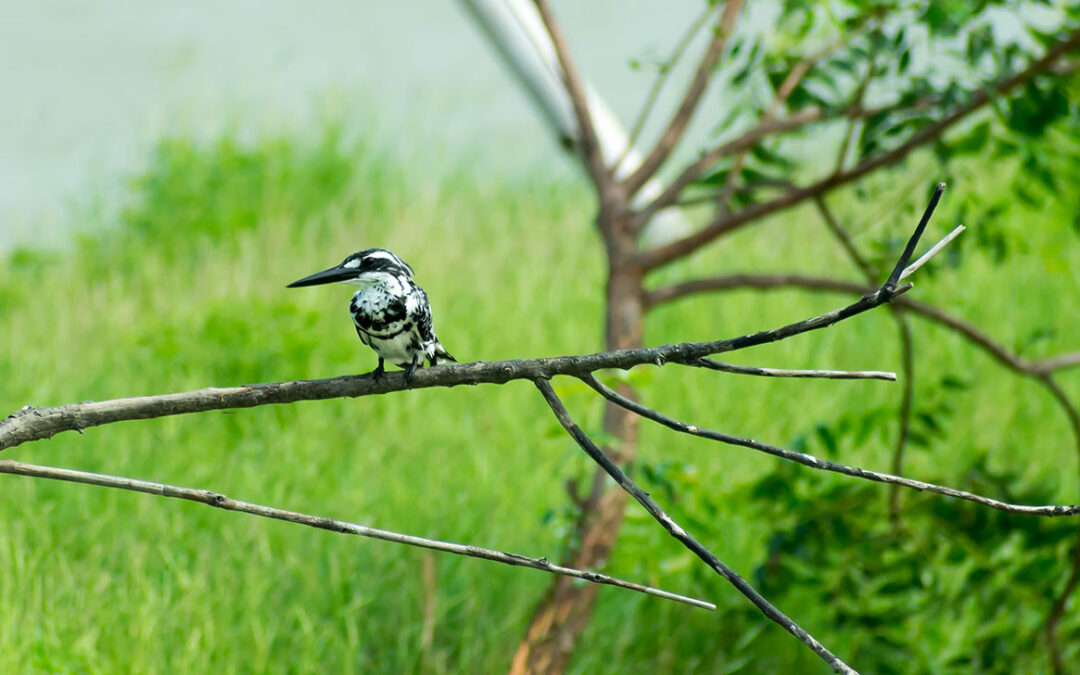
(363, 268)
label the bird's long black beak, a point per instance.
(337, 273)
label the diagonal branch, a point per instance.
(707, 159)
(588, 144)
(220, 501)
(907, 348)
(783, 92)
(660, 81)
(673, 528)
(727, 223)
(685, 112)
(823, 464)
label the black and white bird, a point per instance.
(390, 312)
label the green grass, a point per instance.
(186, 289)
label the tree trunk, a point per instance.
(566, 608)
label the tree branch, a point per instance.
(914, 267)
(679, 122)
(727, 223)
(856, 102)
(220, 501)
(660, 81)
(791, 81)
(781, 372)
(679, 533)
(907, 402)
(777, 281)
(823, 464)
(671, 193)
(1057, 610)
(32, 424)
(588, 144)
(907, 347)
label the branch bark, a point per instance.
(673, 528)
(763, 282)
(1052, 510)
(32, 424)
(220, 501)
(589, 146)
(685, 112)
(712, 364)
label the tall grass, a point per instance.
(186, 289)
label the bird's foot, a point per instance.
(378, 373)
(411, 371)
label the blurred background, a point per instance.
(165, 170)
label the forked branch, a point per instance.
(821, 464)
(673, 528)
(671, 136)
(588, 144)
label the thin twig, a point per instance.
(588, 144)
(660, 81)
(805, 459)
(783, 92)
(857, 101)
(671, 136)
(907, 349)
(913, 241)
(1057, 610)
(763, 282)
(914, 267)
(782, 372)
(907, 402)
(679, 533)
(220, 501)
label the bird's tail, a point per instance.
(440, 353)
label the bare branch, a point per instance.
(779, 372)
(776, 281)
(907, 402)
(727, 223)
(671, 193)
(679, 533)
(823, 464)
(679, 122)
(220, 501)
(913, 241)
(907, 347)
(660, 81)
(857, 102)
(31, 424)
(589, 146)
(913, 267)
(1062, 362)
(1057, 610)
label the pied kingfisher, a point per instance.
(390, 312)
